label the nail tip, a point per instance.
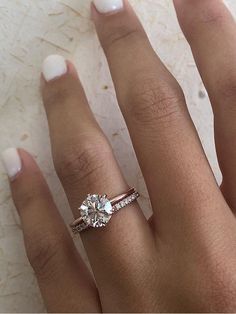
(54, 66)
(11, 161)
(108, 6)
(8, 151)
(51, 57)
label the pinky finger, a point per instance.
(66, 284)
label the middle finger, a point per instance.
(164, 137)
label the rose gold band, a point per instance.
(120, 197)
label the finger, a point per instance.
(210, 30)
(64, 280)
(164, 137)
(85, 164)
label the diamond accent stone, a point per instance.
(128, 200)
(96, 210)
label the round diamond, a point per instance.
(96, 210)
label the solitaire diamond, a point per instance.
(96, 210)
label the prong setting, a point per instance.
(96, 210)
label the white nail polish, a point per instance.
(54, 66)
(12, 162)
(108, 6)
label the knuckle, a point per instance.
(44, 251)
(152, 101)
(83, 162)
(211, 16)
(120, 35)
(214, 15)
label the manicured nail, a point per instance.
(108, 6)
(54, 66)
(12, 162)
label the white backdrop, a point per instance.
(29, 31)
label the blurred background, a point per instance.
(30, 31)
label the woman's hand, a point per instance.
(184, 258)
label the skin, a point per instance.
(184, 258)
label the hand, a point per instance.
(184, 258)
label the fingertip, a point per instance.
(53, 67)
(108, 10)
(107, 6)
(28, 164)
(26, 157)
(93, 11)
(29, 182)
(18, 163)
(71, 69)
(12, 162)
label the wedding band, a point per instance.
(97, 210)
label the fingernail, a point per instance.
(54, 66)
(108, 6)
(12, 162)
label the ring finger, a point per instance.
(85, 164)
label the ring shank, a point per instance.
(120, 197)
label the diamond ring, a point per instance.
(97, 210)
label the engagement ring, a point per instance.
(97, 210)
